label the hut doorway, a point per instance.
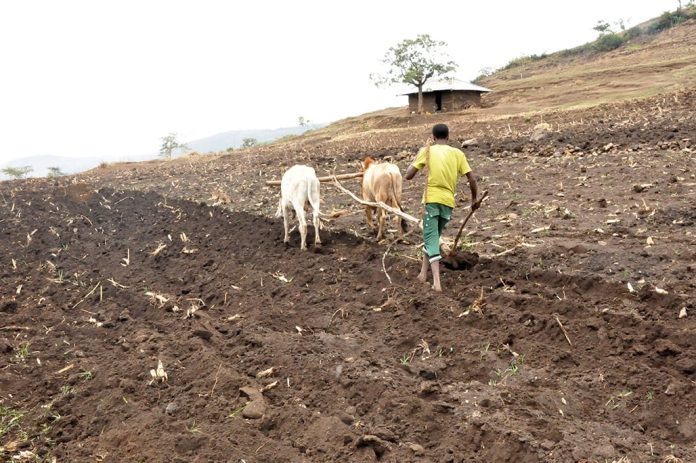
(438, 101)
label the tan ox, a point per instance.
(382, 183)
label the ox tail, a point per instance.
(279, 212)
(394, 179)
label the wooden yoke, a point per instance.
(327, 179)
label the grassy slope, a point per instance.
(643, 67)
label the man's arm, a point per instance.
(474, 190)
(410, 172)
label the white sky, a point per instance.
(97, 77)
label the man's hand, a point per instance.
(475, 204)
(410, 172)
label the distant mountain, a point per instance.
(234, 138)
(214, 143)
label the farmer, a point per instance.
(445, 164)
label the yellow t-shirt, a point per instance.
(445, 165)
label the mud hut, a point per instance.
(450, 95)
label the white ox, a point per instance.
(382, 183)
(298, 189)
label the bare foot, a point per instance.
(437, 289)
(423, 277)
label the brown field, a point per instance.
(563, 344)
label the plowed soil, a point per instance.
(540, 353)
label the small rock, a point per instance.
(672, 388)
(443, 407)
(602, 203)
(682, 312)
(254, 410)
(429, 387)
(547, 444)
(5, 346)
(172, 407)
(384, 433)
(378, 445)
(687, 365)
(417, 449)
(203, 334)
(346, 418)
(605, 450)
(124, 316)
(638, 188)
(251, 392)
(540, 131)
(469, 142)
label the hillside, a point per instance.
(643, 66)
(570, 340)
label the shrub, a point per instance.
(608, 42)
(522, 60)
(634, 32)
(670, 19)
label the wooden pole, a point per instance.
(327, 179)
(379, 204)
(461, 229)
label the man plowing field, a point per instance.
(445, 165)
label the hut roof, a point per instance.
(449, 85)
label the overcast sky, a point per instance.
(97, 77)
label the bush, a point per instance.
(522, 60)
(634, 32)
(608, 42)
(670, 19)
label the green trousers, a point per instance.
(434, 221)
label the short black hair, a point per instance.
(440, 131)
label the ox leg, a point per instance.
(286, 222)
(315, 203)
(397, 219)
(382, 219)
(317, 226)
(368, 216)
(302, 225)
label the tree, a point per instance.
(17, 172)
(55, 172)
(602, 27)
(414, 62)
(302, 121)
(249, 142)
(169, 144)
(483, 73)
